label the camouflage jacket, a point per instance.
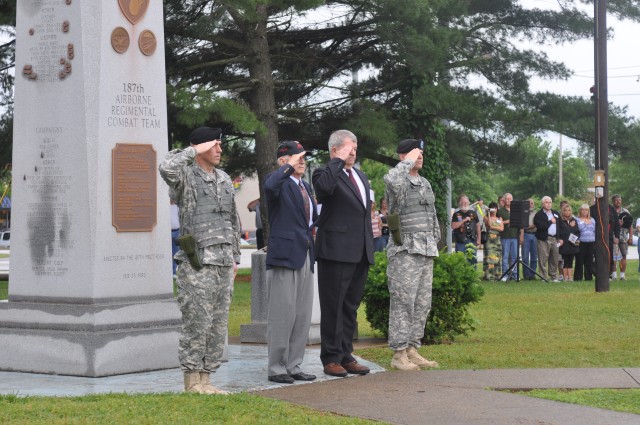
(397, 181)
(177, 170)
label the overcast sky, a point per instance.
(623, 65)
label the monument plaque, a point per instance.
(91, 289)
(134, 10)
(134, 188)
(120, 40)
(147, 42)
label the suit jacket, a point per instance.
(344, 227)
(542, 223)
(290, 236)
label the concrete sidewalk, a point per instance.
(448, 397)
(458, 397)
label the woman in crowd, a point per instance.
(587, 246)
(493, 247)
(383, 211)
(376, 225)
(569, 241)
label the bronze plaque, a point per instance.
(120, 40)
(133, 186)
(134, 10)
(147, 42)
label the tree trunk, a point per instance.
(262, 103)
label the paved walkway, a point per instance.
(459, 397)
(452, 397)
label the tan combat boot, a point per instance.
(192, 383)
(400, 361)
(207, 388)
(417, 359)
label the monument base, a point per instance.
(314, 334)
(89, 340)
(255, 333)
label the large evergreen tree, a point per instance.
(450, 71)
(419, 64)
(7, 58)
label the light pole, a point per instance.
(560, 183)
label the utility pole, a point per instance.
(560, 183)
(448, 204)
(601, 183)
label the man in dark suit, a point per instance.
(290, 260)
(344, 250)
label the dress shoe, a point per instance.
(355, 368)
(281, 379)
(334, 369)
(301, 376)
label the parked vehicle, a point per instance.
(5, 238)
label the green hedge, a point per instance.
(456, 285)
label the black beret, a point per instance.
(204, 134)
(407, 145)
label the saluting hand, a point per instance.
(413, 155)
(344, 151)
(295, 159)
(203, 147)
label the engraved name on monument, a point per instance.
(49, 52)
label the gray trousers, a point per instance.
(288, 317)
(548, 257)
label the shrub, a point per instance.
(456, 285)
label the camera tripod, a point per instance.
(515, 263)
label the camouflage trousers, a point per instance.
(410, 278)
(492, 256)
(204, 297)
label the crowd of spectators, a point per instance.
(556, 245)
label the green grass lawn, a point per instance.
(161, 409)
(542, 325)
(240, 310)
(519, 325)
(621, 400)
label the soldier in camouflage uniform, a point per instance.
(207, 212)
(493, 247)
(410, 265)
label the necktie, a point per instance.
(305, 198)
(355, 184)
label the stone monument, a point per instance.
(91, 280)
